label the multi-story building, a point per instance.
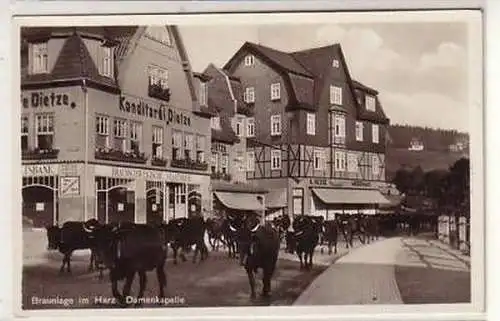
(231, 122)
(110, 126)
(319, 136)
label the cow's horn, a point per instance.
(256, 227)
(232, 228)
(86, 229)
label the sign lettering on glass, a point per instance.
(46, 99)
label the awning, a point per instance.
(276, 199)
(240, 201)
(350, 196)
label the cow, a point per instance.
(183, 233)
(258, 247)
(304, 239)
(127, 249)
(282, 224)
(231, 224)
(330, 234)
(74, 235)
(215, 232)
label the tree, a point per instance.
(402, 180)
(417, 180)
(435, 184)
(459, 183)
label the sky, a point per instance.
(419, 69)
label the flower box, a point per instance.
(156, 91)
(189, 164)
(161, 162)
(220, 176)
(119, 156)
(37, 153)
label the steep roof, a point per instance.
(376, 116)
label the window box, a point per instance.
(157, 161)
(37, 153)
(119, 156)
(189, 164)
(157, 91)
(221, 176)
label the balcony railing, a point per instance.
(158, 161)
(37, 153)
(189, 164)
(221, 176)
(119, 156)
(157, 91)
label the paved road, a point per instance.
(393, 271)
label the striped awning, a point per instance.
(240, 201)
(350, 196)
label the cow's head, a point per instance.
(53, 237)
(107, 250)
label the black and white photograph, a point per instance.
(316, 159)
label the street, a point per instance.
(218, 281)
(397, 270)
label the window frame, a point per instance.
(275, 119)
(48, 119)
(102, 128)
(249, 60)
(359, 131)
(370, 103)
(375, 162)
(224, 163)
(336, 95)
(39, 58)
(249, 95)
(107, 62)
(25, 120)
(335, 63)
(157, 139)
(375, 134)
(251, 127)
(319, 157)
(215, 123)
(135, 135)
(203, 93)
(201, 143)
(340, 162)
(240, 125)
(311, 124)
(275, 91)
(275, 155)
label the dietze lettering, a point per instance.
(40, 100)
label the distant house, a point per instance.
(416, 145)
(460, 145)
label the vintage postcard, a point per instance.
(315, 161)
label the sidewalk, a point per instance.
(364, 276)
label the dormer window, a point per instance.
(106, 67)
(215, 123)
(249, 60)
(39, 58)
(370, 103)
(335, 63)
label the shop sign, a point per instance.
(47, 99)
(325, 182)
(40, 207)
(40, 170)
(149, 175)
(155, 111)
(70, 186)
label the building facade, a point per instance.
(111, 127)
(319, 139)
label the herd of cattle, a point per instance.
(128, 248)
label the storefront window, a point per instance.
(45, 131)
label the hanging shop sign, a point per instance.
(155, 111)
(46, 100)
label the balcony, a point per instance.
(37, 154)
(158, 161)
(221, 176)
(157, 91)
(119, 156)
(189, 164)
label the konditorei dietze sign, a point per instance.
(139, 107)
